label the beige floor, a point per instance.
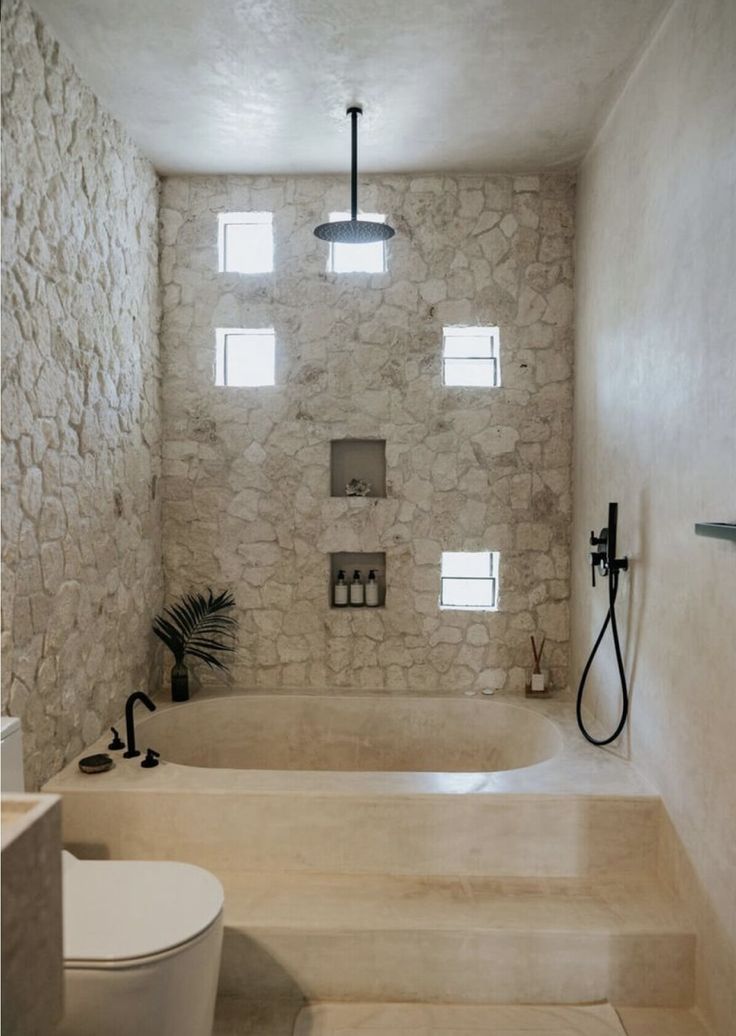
(238, 1018)
(660, 1021)
(441, 1020)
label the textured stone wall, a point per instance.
(246, 471)
(80, 415)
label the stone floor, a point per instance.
(235, 1017)
(661, 1021)
(465, 1020)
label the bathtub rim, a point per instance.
(577, 769)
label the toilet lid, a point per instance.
(118, 910)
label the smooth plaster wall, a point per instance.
(655, 428)
(80, 417)
(246, 471)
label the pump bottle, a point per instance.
(357, 591)
(371, 590)
(340, 591)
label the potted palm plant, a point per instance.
(196, 626)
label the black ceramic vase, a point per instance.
(179, 682)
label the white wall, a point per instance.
(655, 429)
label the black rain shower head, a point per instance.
(354, 231)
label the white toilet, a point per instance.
(142, 939)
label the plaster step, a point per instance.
(555, 836)
(454, 940)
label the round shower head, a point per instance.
(354, 231)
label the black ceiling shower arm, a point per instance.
(355, 111)
(354, 231)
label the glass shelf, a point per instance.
(716, 530)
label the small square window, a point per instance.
(245, 242)
(245, 357)
(470, 356)
(469, 580)
(370, 258)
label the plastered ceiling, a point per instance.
(255, 86)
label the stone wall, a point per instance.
(246, 471)
(81, 422)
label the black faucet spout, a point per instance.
(129, 724)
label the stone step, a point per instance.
(454, 940)
(531, 835)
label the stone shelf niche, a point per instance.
(358, 458)
(349, 561)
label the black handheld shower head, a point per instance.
(604, 559)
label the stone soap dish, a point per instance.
(96, 764)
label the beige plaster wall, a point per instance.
(246, 471)
(655, 427)
(80, 415)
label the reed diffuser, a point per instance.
(538, 684)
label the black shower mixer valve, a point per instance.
(601, 558)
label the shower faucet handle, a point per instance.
(598, 558)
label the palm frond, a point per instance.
(196, 625)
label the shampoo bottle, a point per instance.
(341, 590)
(357, 590)
(371, 590)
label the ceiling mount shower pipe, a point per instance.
(354, 112)
(354, 231)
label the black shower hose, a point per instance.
(610, 617)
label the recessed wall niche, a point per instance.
(361, 459)
(348, 561)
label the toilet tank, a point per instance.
(11, 754)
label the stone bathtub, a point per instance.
(367, 733)
(261, 780)
(371, 878)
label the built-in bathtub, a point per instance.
(378, 847)
(359, 734)
(264, 780)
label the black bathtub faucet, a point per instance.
(129, 725)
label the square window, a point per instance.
(369, 258)
(245, 357)
(470, 356)
(245, 242)
(469, 580)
